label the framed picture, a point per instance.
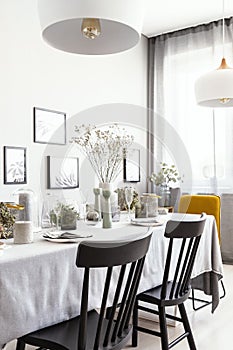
(49, 126)
(14, 165)
(131, 166)
(63, 172)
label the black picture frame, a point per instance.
(62, 173)
(49, 127)
(15, 165)
(131, 166)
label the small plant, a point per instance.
(67, 214)
(7, 220)
(165, 176)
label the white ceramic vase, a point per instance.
(114, 197)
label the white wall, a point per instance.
(32, 74)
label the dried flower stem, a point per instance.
(105, 149)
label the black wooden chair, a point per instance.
(211, 205)
(92, 330)
(175, 287)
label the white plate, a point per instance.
(148, 222)
(63, 240)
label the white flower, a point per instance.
(105, 148)
(165, 176)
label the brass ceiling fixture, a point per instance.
(91, 28)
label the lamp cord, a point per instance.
(223, 28)
(214, 184)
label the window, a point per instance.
(206, 133)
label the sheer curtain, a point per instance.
(199, 140)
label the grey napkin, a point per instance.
(65, 235)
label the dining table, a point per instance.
(40, 284)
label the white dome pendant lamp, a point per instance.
(91, 27)
(215, 89)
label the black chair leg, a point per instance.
(202, 301)
(224, 290)
(187, 327)
(135, 324)
(20, 345)
(163, 328)
(205, 302)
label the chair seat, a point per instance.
(153, 296)
(61, 335)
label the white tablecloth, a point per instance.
(40, 284)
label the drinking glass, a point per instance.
(56, 209)
(129, 191)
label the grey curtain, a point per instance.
(197, 139)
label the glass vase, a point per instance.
(165, 196)
(113, 196)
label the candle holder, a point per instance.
(23, 232)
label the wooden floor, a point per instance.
(211, 331)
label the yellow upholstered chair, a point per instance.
(197, 204)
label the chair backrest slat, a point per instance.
(184, 265)
(123, 301)
(190, 264)
(103, 307)
(177, 268)
(166, 270)
(114, 305)
(131, 297)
